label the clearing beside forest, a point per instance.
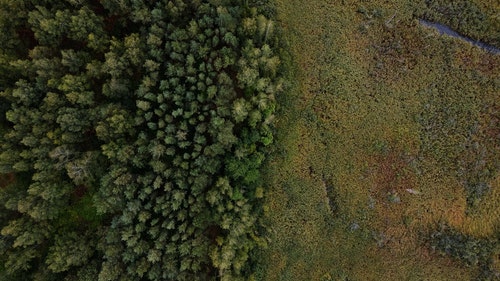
(387, 146)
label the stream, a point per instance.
(443, 29)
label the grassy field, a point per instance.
(387, 131)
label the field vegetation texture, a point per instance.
(387, 156)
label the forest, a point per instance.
(132, 133)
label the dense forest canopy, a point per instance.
(132, 136)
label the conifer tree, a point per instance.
(135, 131)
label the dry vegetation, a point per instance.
(389, 130)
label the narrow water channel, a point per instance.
(443, 29)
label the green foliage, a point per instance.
(140, 127)
(467, 17)
(62, 257)
(465, 248)
(469, 250)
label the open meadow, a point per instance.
(388, 141)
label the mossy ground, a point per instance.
(387, 130)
